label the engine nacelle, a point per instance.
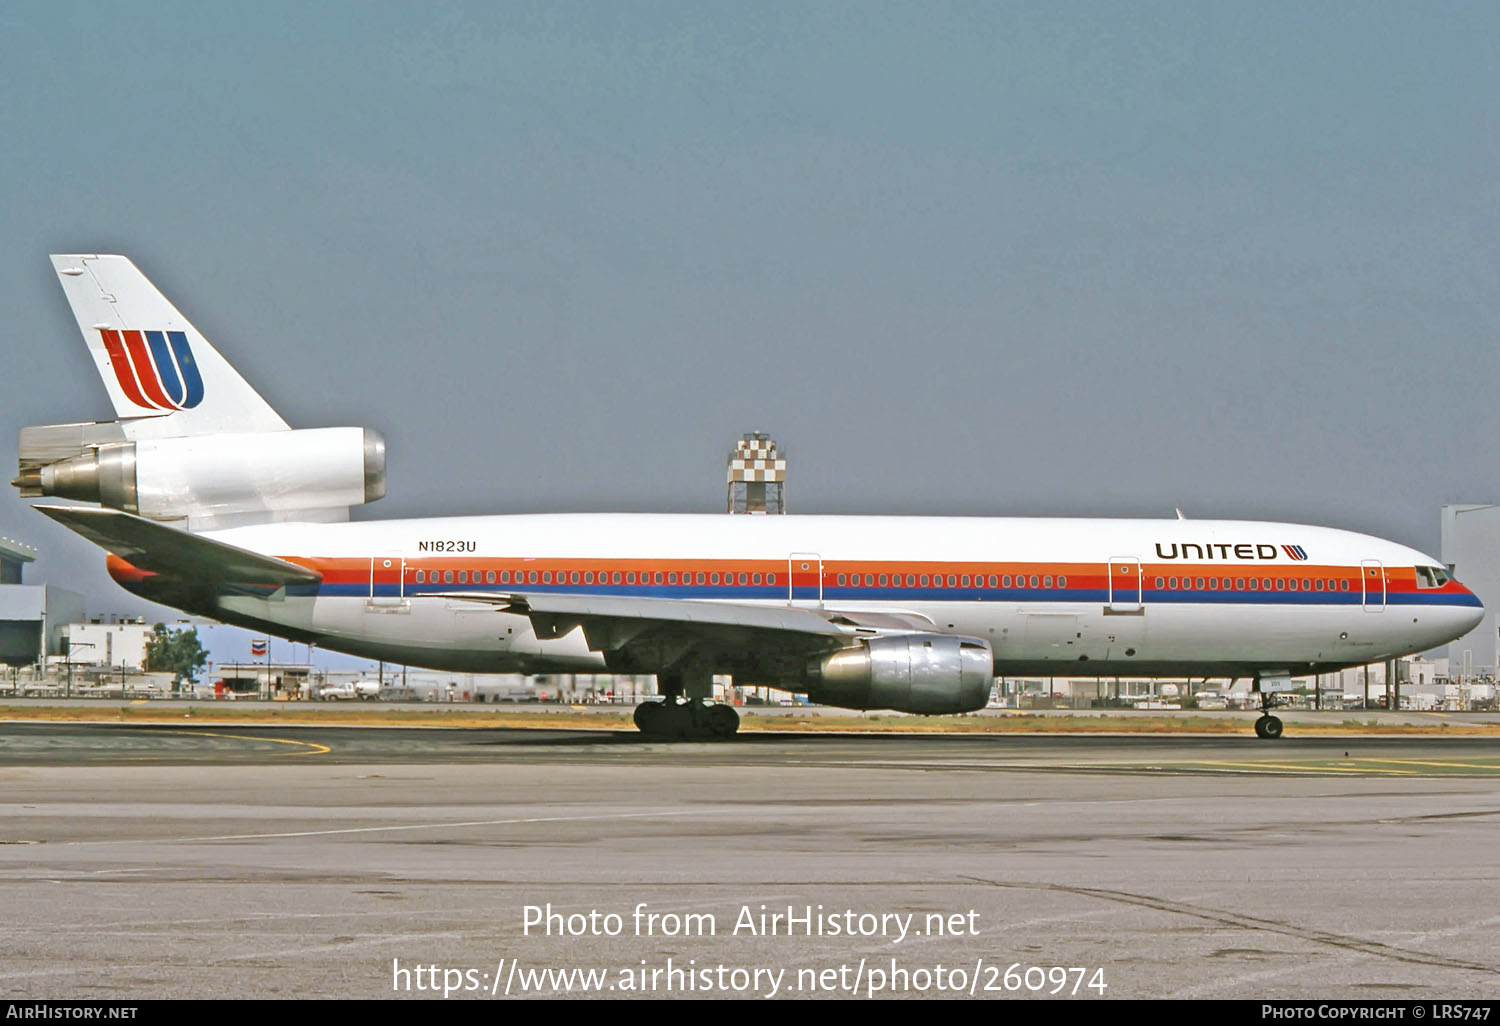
(223, 474)
(915, 673)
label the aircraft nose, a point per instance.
(1468, 615)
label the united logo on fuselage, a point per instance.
(1238, 552)
(155, 369)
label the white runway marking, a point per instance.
(386, 829)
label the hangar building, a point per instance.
(32, 616)
(1471, 550)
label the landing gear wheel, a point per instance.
(723, 720)
(1268, 727)
(649, 716)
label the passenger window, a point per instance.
(1239, 584)
(924, 580)
(1062, 582)
(1047, 581)
(770, 578)
(1255, 584)
(963, 582)
(1006, 580)
(1213, 584)
(421, 576)
(1035, 581)
(755, 578)
(700, 578)
(994, 581)
(546, 576)
(882, 580)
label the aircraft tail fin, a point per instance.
(163, 376)
(194, 443)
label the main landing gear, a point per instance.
(690, 718)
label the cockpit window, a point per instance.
(1432, 577)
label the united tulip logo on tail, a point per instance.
(155, 369)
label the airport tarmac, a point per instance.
(236, 861)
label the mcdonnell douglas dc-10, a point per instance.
(209, 502)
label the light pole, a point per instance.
(71, 645)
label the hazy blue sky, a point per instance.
(1009, 258)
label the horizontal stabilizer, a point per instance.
(157, 548)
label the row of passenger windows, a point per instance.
(585, 577)
(953, 581)
(673, 578)
(1251, 584)
(864, 580)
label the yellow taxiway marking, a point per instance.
(1427, 762)
(313, 747)
(1300, 767)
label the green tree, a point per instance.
(178, 651)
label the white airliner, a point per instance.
(211, 503)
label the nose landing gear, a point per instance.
(1268, 727)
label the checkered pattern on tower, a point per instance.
(757, 476)
(755, 459)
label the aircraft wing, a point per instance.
(654, 631)
(157, 548)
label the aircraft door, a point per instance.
(805, 579)
(1372, 579)
(387, 584)
(1124, 585)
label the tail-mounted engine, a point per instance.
(204, 477)
(915, 673)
